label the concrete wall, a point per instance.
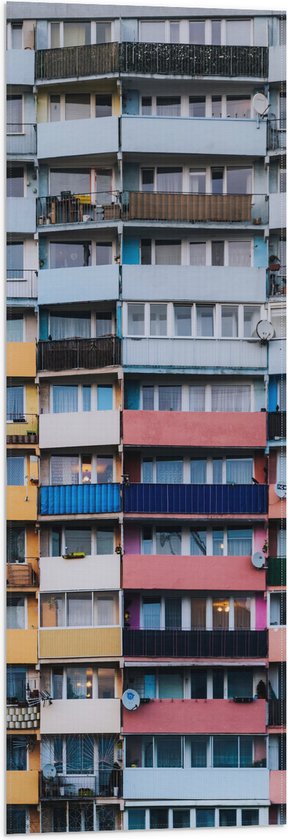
(197, 283)
(249, 785)
(193, 136)
(98, 572)
(73, 716)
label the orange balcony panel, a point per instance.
(21, 503)
(196, 716)
(190, 428)
(103, 641)
(276, 506)
(21, 358)
(142, 571)
(21, 647)
(277, 644)
(22, 787)
(277, 785)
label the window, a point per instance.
(251, 319)
(76, 33)
(136, 318)
(238, 33)
(199, 751)
(15, 471)
(65, 398)
(181, 818)
(158, 319)
(104, 541)
(169, 179)
(52, 610)
(278, 609)
(146, 252)
(79, 609)
(173, 613)
(198, 684)
(217, 253)
(239, 471)
(103, 32)
(231, 398)
(242, 613)
(240, 682)
(77, 106)
(136, 819)
(198, 471)
(169, 471)
(239, 181)
(218, 542)
(16, 35)
(147, 180)
(197, 398)
(159, 817)
(73, 180)
(79, 683)
(86, 397)
(103, 253)
(15, 612)
(239, 542)
(174, 32)
(15, 181)
(14, 255)
(170, 397)
(16, 816)
(169, 751)
(221, 608)
(198, 614)
(79, 754)
(197, 253)
(197, 106)
(229, 321)
(104, 397)
(64, 469)
(168, 106)
(17, 749)
(216, 31)
(218, 684)
(205, 817)
(77, 539)
(106, 682)
(57, 684)
(198, 543)
(152, 31)
(151, 614)
(55, 108)
(70, 254)
(225, 751)
(196, 31)
(183, 325)
(217, 176)
(147, 541)
(104, 470)
(167, 253)
(103, 324)
(103, 105)
(170, 686)
(66, 326)
(197, 181)
(238, 106)
(250, 816)
(239, 253)
(104, 612)
(205, 321)
(146, 106)
(15, 544)
(216, 106)
(227, 817)
(15, 403)
(14, 114)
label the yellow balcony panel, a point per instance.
(22, 503)
(21, 358)
(21, 647)
(91, 641)
(22, 787)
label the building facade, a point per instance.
(146, 291)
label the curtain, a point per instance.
(79, 683)
(239, 542)
(197, 181)
(147, 471)
(169, 472)
(79, 754)
(251, 318)
(168, 751)
(239, 253)
(199, 751)
(57, 683)
(15, 612)
(104, 470)
(70, 180)
(76, 34)
(79, 609)
(104, 397)
(15, 544)
(170, 686)
(238, 106)
(168, 106)
(70, 254)
(16, 683)
(239, 180)
(15, 402)
(158, 319)
(198, 543)
(225, 751)
(62, 326)
(106, 683)
(136, 319)
(17, 749)
(169, 180)
(152, 31)
(197, 398)
(14, 329)
(103, 32)
(217, 249)
(198, 613)
(242, 609)
(217, 466)
(167, 253)
(197, 106)
(151, 615)
(65, 398)
(238, 33)
(147, 543)
(197, 253)
(231, 398)
(104, 541)
(105, 611)
(15, 471)
(78, 539)
(103, 324)
(218, 542)
(52, 751)
(170, 397)
(64, 469)
(198, 471)
(168, 542)
(103, 253)
(221, 609)
(77, 106)
(239, 471)
(173, 613)
(104, 186)
(86, 397)
(148, 397)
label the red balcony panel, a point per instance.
(277, 784)
(189, 428)
(277, 507)
(142, 571)
(196, 716)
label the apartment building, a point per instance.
(146, 291)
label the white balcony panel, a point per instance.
(185, 282)
(97, 428)
(69, 716)
(193, 136)
(277, 354)
(78, 137)
(196, 354)
(21, 215)
(277, 64)
(20, 67)
(277, 210)
(87, 283)
(248, 785)
(98, 572)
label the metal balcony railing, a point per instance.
(277, 712)
(71, 209)
(107, 784)
(21, 283)
(22, 428)
(146, 58)
(21, 139)
(276, 137)
(277, 282)
(71, 353)
(21, 574)
(79, 498)
(276, 572)
(195, 643)
(196, 498)
(186, 207)
(276, 424)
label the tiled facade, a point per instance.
(145, 418)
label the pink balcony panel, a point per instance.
(189, 428)
(277, 644)
(277, 784)
(196, 716)
(161, 571)
(277, 507)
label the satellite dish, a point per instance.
(130, 700)
(265, 330)
(260, 103)
(258, 560)
(280, 490)
(49, 771)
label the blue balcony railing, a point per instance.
(196, 498)
(79, 498)
(195, 643)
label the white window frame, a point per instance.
(217, 309)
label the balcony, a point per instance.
(276, 425)
(186, 428)
(22, 430)
(22, 716)
(101, 642)
(20, 67)
(107, 783)
(21, 575)
(209, 499)
(194, 208)
(100, 572)
(21, 215)
(21, 503)
(276, 139)
(22, 647)
(195, 354)
(67, 209)
(276, 574)
(73, 716)
(196, 717)
(277, 283)
(277, 64)
(277, 355)
(277, 507)
(22, 787)
(70, 429)
(21, 140)
(21, 284)
(150, 59)
(76, 285)
(71, 499)
(68, 138)
(277, 644)
(195, 643)
(277, 785)
(217, 786)
(21, 359)
(147, 572)
(189, 282)
(277, 713)
(72, 353)
(193, 136)
(277, 210)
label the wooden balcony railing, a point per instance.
(186, 207)
(20, 574)
(71, 353)
(161, 59)
(276, 424)
(277, 712)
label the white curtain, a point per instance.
(197, 398)
(158, 319)
(197, 181)
(169, 472)
(239, 543)
(239, 471)
(168, 106)
(169, 180)
(15, 402)
(105, 612)
(75, 34)
(197, 252)
(15, 471)
(170, 397)
(69, 327)
(168, 542)
(148, 397)
(167, 253)
(231, 398)
(79, 609)
(64, 469)
(151, 615)
(105, 542)
(198, 471)
(239, 253)
(14, 329)
(65, 398)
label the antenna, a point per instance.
(49, 772)
(258, 560)
(131, 700)
(260, 104)
(265, 330)
(280, 490)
